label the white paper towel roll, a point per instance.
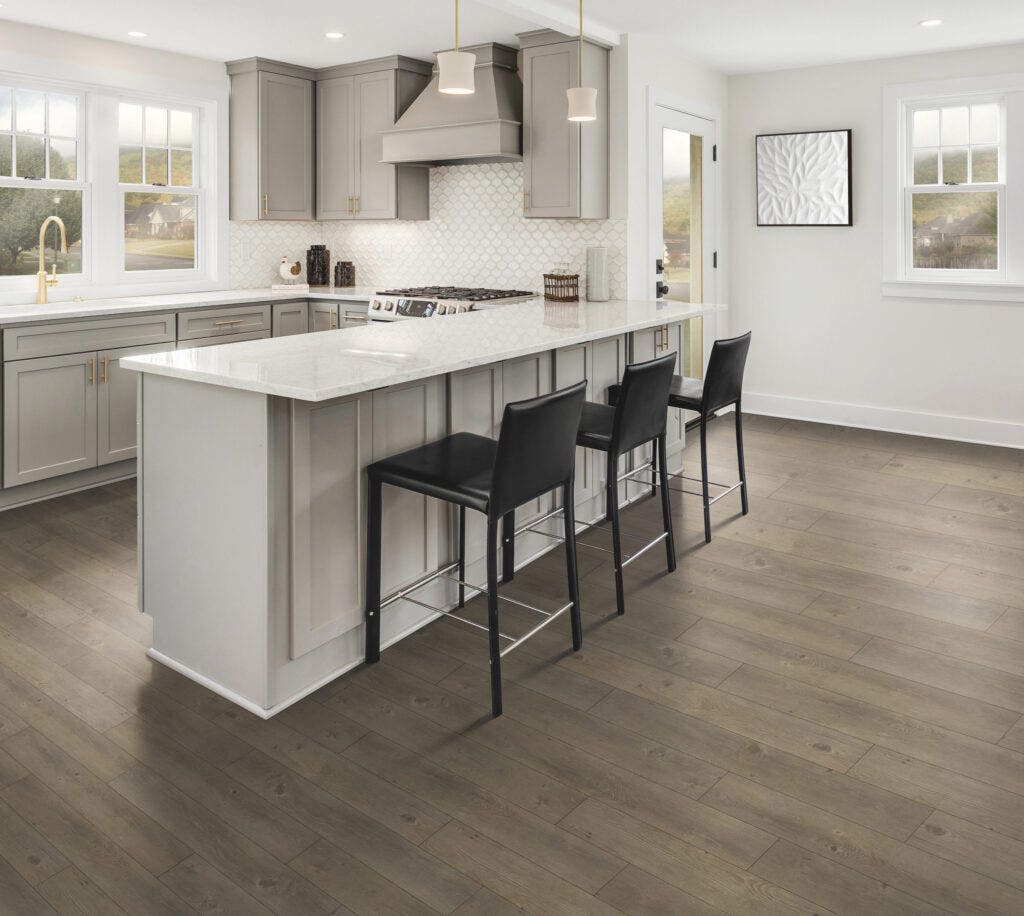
(597, 274)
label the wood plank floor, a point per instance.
(822, 711)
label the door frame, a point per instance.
(712, 193)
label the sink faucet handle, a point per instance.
(52, 279)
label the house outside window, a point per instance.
(954, 205)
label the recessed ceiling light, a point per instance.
(930, 23)
(334, 36)
(137, 35)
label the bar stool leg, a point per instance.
(373, 547)
(462, 556)
(569, 517)
(666, 506)
(704, 476)
(613, 515)
(492, 615)
(739, 459)
(654, 469)
(508, 546)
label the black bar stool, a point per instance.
(721, 386)
(640, 415)
(534, 454)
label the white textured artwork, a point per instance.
(804, 179)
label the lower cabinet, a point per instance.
(650, 344)
(68, 413)
(289, 318)
(323, 316)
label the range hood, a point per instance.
(486, 126)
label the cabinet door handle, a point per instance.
(266, 204)
(103, 369)
(526, 201)
(356, 199)
(92, 370)
(334, 321)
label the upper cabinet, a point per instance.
(355, 104)
(271, 142)
(565, 170)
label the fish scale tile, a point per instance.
(476, 236)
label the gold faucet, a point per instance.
(44, 280)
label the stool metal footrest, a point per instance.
(442, 573)
(529, 526)
(727, 488)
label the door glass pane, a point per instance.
(159, 231)
(682, 234)
(22, 211)
(956, 230)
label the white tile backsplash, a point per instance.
(476, 236)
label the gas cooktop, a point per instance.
(465, 293)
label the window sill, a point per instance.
(937, 289)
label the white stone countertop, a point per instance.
(99, 308)
(331, 364)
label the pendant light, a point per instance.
(455, 68)
(582, 99)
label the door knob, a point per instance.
(661, 289)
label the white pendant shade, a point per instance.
(455, 72)
(582, 103)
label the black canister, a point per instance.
(344, 274)
(318, 266)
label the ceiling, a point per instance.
(735, 36)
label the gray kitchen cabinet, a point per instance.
(353, 314)
(290, 318)
(230, 321)
(272, 143)
(355, 104)
(565, 164)
(323, 316)
(116, 398)
(220, 341)
(49, 417)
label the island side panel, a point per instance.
(204, 532)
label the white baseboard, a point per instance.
(887, 419)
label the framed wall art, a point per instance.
(805, 179)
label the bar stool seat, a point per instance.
(457, 468)
(596, 426)
(535, 454)
(684, 393)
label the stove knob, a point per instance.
(375, 304)
(442, 310)
(388, 306)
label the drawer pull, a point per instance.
(227, 322)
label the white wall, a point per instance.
(827, 345)
(653, 63)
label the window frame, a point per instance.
(196, 189)
(900, 277)
(79, 184)
(103, 273)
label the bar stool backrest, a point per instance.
(641, 411)
(723, 382)
(536, 447)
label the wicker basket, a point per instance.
(562, 287)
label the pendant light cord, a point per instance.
(457, 23)
(581, 43)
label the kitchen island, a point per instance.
(252, 485)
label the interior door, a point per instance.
(682, 212)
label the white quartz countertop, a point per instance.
(331, 364)
(98, 308)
